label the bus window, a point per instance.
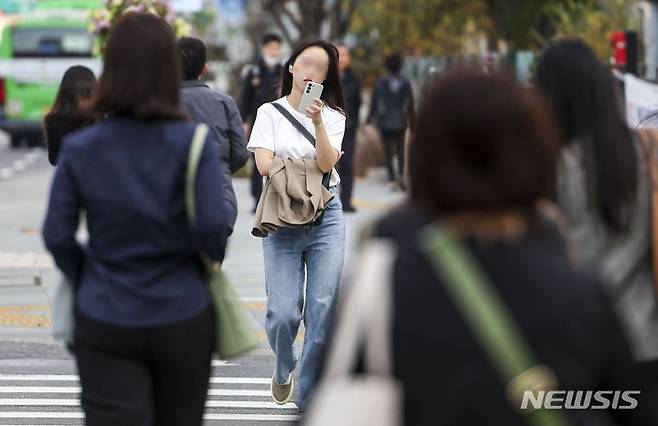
(51, 42)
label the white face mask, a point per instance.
(271, 61)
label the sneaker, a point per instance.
(282, 394)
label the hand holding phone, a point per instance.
(311, 92)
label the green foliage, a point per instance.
(593, 21)
(104, 18)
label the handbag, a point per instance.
(490, 321)
(234, 334)
(326, 177)
(373, 397)
(649, 142)
(63, 311)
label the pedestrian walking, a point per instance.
(309, 254)
(352, 95)
(68, 112)
(219, 111)
(144, 319)
(392, 111)
(604, 188)
(464, 299)
(261, 84)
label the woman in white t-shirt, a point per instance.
(313, 254)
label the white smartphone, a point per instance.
(311, 91)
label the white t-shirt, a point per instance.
(274, 132)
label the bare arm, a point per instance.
(264, 159)
(326, 155)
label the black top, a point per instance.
(352, 93)
(564, 315)
(141, 266)
(56, 126)
(260, 85)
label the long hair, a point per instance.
(78, 83)
(588, 110)
(141, 70)
(332, 94)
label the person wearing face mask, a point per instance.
(260, 85)
(305, 254)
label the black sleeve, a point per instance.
(238, 154)
(53, 136)
(619, 369)
(373, 103)
(247, 98)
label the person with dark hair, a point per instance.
(144, 326)
(604, 188)
(261, 84)
(352, 91)
(67, 115)
(311, 254)
(392, 111)
(213, 108)
(482, 161)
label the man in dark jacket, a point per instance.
(392, 111)
(261, 85)
(352, 93)
(217, 110)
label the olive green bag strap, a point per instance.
(488, 318)
(234, 333)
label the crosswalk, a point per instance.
(54, 399)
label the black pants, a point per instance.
(144, 376)
(394, 145)
(256, 182)
(346, 167)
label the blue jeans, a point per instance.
(315, 253)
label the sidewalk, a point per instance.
(24, 308)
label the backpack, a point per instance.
(393, 103)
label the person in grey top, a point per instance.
(604, 189)
(217, 110)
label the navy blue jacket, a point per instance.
(140, 267)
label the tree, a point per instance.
(302, 19)
(593, 21)
(430, 27)
(103, 19)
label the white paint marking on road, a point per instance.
(220, 363)
(76, 389)
(78, 415)
(18, 165)
(28, 402)
(74, 378)
(6, 173)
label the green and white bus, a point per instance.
(35, 50)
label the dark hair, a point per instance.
(582, 94)
(332, 94)
(482, 144)
(141, 70)
(193, 57)
(393, 63)
(78, 83)
(270, 37)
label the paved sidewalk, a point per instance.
(27, 272)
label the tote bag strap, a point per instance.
(364, 320)
(489, 319)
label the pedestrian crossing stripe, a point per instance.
(26, 402)
(24, 406)
(77, 415)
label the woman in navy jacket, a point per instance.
(144, 323)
